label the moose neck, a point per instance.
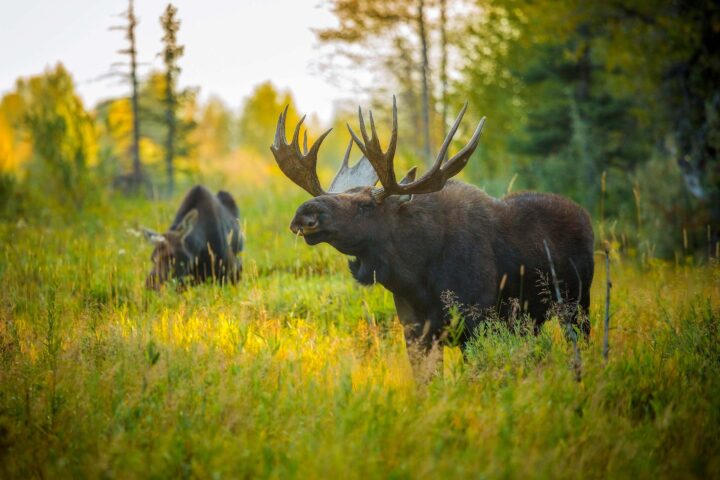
(397, 259)
(370, 268)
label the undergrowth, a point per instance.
(299, 372)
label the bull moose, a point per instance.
(422, 238)
(202, 243)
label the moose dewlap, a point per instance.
(422, 238)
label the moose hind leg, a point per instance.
(580, 296)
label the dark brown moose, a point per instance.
(426, 237)
(202, 243)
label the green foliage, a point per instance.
(573, 90)
(215, 134)
(154, 115)
(259, 116)
(114, 123)
(61, 132)
(298, 372)
(8, 195)
(582, 89)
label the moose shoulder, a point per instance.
(203, 241)
(421, 238)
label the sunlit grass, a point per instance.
(299, 372)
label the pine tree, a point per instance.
(137, 177)
(171, 52)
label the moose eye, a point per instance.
(365, 208)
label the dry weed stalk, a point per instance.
(565, 313)
(608, 286)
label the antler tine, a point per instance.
(436, 177)
(280, 130)
(296, 134)
(361, 120)
(456, 163)
(450, 135)
(381, 161)
(372, 125)
(316, 146)
(346, 160)
(394, 134)
(357, 140)
(298, 166)
(443, 151)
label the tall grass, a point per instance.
(299, 372)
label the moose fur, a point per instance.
(202, 243)
(424, 239)
(461, 240)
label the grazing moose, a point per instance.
(202, 242)
(421, 238)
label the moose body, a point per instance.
(202, 243)
(421, 239)
(457, 240)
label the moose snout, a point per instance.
(304, 223)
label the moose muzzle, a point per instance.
(305, 223)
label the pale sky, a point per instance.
(230, 46)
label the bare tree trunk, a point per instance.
(171, 124)
(443, 64)
(137, 167)
(424, 73)
(582, 126)
(171, 52)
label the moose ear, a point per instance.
(409, 177)
(187, 224)
(152, 236)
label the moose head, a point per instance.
(354, 216)
(171, 256)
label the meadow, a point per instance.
(298, 372)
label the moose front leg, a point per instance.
(420, 338)
(423, 328)
(408, 318)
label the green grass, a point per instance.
(300, 372)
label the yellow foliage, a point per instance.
(120, 125)
(14, 149)
(7, 160)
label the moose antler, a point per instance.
(361, 174)
(434, 179)
(301, 166)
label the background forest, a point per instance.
(297, 371)
(614, 104)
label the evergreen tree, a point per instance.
(171, 52)
(137, 177)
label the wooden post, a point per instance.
(608, 286)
